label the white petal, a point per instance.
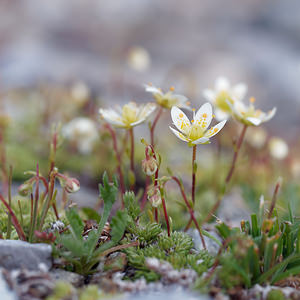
(146, 110)
(152, 89)
(254, 121)
(215, 129)
(221, 115)
(138, 122)
(180, 120)
(202, 140)
(181, 100)
(178, 134)
(239, 91)
(111, 117)
(222, 84)
(203, 116)
(209, 95)
(269, 115)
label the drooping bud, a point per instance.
(154, 196)
(72, 185)
(149, 166)
(25, 188)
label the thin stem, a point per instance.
(191, 211)
(274, 198)
(9, 202)
(119, 160)
(131, 150)
(154, 125)
(165, 212)
(3, 163)
(236, 153)
(194, 173)
(229, 175)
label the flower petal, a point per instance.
(111, 117)
(178, 134)
(221, 115)
(239, 91)
(254, 121)
(203, 140)
(203, 116)
(269, 115)
(152, 89)
(209, 95)
(180, 120)
(222, 84)
(215, 129)
(146, 110)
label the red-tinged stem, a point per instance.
(53, 152)
(229, 175)
(165, 213)
(3, 163)
(119, 160)
(131, 150)
(274, 198)
(236, 153)
(9, 202)
(156, 214)
(191, 211)
(14, 220)
(194, 173)
(154, 125)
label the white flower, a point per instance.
(256, 137)
(278, 148)
(196, 131)
(139, 59)
(222, 93)
(83, 132)
(80, 93)
(248, 115)
(129, 115)
(168, 99)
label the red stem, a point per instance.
(154, 125)
(190, 210)
(14, 220)
(165, 214)
(119, 166)
(193, 173)
(3, 163)
(236, 153)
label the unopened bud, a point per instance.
(154, 196)
(25, 188)
(72, 185)
(149, 166)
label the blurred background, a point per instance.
(53, 53)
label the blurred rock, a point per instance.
(18, 254)
(5, 292)
(62, 275)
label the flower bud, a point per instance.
(25, 188)
(154, 196)
(149, 166)
(72, 185)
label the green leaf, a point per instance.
(91, 214)
(75, 246)
(118, 226)
(132, 206)
(76, 224)
(108, 192)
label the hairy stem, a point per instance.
(165, 212)
(154, 125)
(191, 211)
(119, 160)
(193, 173)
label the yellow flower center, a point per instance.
(195, 132)
(166, 100)
(221, 101)
(129, 114)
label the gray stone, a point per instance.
(211, 245)
(19, 254)
(5, 292)
(73, 278)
